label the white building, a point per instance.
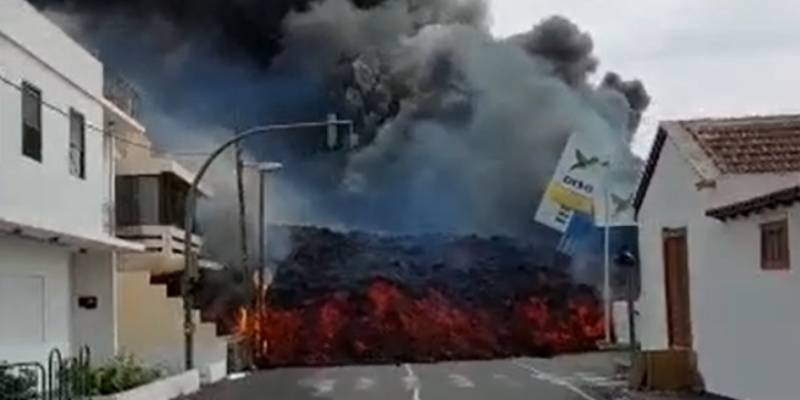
(719, 219)
(57, 246)
(71, 275)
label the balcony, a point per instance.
(150, 211)
(122, 94)
(164, 248)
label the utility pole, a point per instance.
(242, 214)
(607, 295)
(263, 170)
(190, 267)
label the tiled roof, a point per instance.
(649, 169)
(783, 197)
(749, 145)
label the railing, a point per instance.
(158, 238)
(122, 94)
(23, 381)
(62, 379)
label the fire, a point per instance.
(388, 324)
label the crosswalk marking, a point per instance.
(461, 381)
(506, 380)
(322, 387)
(555, 380)
(364, 383)
(600, 381)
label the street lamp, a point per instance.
(190, 272)
(264, 169)
(628, 261)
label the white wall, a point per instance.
(93, 274)
(151, 326)
(745, 321)
(34, 299)
(44, 194)
(671, 202)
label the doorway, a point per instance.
(676, 278)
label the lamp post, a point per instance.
(627, 261)
(264, 169)
(190, 271)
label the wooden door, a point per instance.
(676, 278)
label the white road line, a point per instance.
(412, 382)
(321, 387)
(508, 381)
(600, 381)
(555, 380)
(363, 383)
(461, 381)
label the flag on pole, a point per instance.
(572, 189)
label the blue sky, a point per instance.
(709, 58)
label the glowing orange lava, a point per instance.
(388, 324)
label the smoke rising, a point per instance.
(460, 131)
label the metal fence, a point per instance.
(122, 94)
(62, 378)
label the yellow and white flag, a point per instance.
(573, 187)
(585, 182)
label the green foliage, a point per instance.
(75, 377)
(121, 374)
(17, 383)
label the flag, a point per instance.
(573, 186)
(580, 236)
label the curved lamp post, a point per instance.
(190, 271)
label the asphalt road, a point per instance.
(567, 378)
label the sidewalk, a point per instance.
(618, 363)
(672, 396)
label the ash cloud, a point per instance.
(460, 131)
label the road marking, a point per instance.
(321, 387)
(550, 378)
(504, 378)
(364, 383)
(600, 381)
(236, 376)
(461, 381)
(412, 382)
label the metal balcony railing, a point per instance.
(122, 94)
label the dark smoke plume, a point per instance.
(460, 131)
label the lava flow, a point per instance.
(452, 298)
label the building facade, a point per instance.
(151, 190)
(719, 221)
(57, 245)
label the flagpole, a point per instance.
(607, 258)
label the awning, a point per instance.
(783, 197)
(104, 243)
(156, 166)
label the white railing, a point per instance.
(164, 247)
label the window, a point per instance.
(31, 122)
(77, 144)
(138, 200)
(775, 245)
(151, 200)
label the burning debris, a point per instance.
(341, 298)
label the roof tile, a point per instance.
(749, 145)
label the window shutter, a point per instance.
(775, 245)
